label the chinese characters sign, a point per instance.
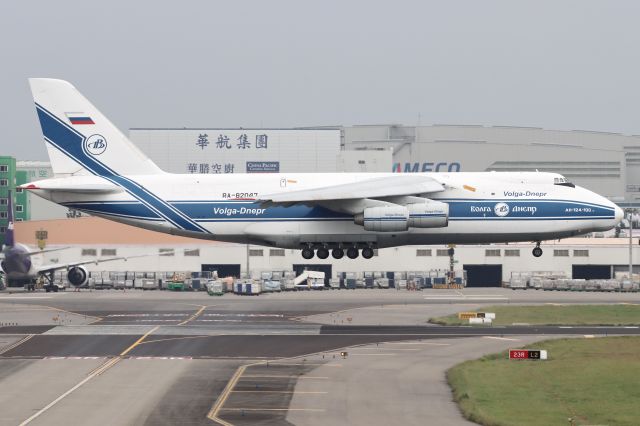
(241, 142)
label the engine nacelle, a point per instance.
(77, 276)
(433, 214)
(384, 219)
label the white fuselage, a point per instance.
(483, 208)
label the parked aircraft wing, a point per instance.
(34, 253)
(56, 266)
(369, 188)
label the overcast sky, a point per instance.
(553, 64)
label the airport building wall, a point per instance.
(220, 151)
(10, 177)
(561, 257)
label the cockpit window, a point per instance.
(562, 181)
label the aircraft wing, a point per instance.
(43, 269)
(378, 187)
(33, 253)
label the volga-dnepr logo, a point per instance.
(501, 209)
(95, 144)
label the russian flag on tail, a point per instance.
(77, 118)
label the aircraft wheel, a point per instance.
(337, 253)
(352, 253)
(537, 252)
(307, 253)
(367, 252)
(322, 253)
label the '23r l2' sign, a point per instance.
(95, 144)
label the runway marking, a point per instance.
(474, 298)
(137, 342)
(61, 397)
(361, 354)
(194, 316)
(500, 338)
(73, 313)
(245, 315)
(304, 363)
(589, 336)
(94, 373)
(147, 315)
(108, 321)
(213, 413)
(272, 391)
(25, 297)
(395, 349)
(274, 409)
(282, 376)
(16, 344)
(418, 343)
(170, 358)
(173, 338)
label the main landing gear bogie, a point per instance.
(337, 253)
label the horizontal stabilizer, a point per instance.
(58, 185)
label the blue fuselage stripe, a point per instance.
(224, 211)
(70, 142)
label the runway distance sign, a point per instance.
(527, 354)
(468, 315)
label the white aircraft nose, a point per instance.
(619, 214)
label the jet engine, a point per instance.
(432, 214)
(384, 219)
(77, 276)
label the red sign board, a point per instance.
(525, 354)
(518, 354)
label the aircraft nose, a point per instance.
(619, 214)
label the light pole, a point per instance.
(630, 244)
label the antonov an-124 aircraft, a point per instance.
(100, 172)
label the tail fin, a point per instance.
(9, 240)
(79, 139)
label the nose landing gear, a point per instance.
(537, 251)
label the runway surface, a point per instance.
(173, 357)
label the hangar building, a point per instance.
(607, 163)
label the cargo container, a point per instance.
(289, 284)
(247, 288)
(215, 288)
(382, 282)
(175, 285)
(271, 286)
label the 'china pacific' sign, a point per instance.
(426, 167)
